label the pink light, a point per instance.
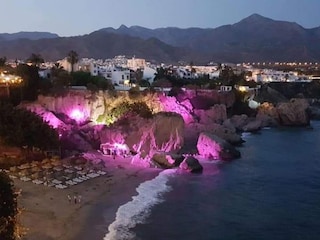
(77, 115)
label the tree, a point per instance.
(162, 83)
(31, 81)
(161, 73)
(3, 61)
(72, 58)
(35, 60)
(20, 127)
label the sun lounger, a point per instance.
(37, 181)
(25, 179)
(71, 183)
(61, 186)
(78, 180)
(55, 181)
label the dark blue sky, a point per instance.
(77, 17)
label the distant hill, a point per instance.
(255, 38)
(95, 45)
(27, 35)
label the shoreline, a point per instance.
(49, 215)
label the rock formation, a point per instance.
(86, 120)
(294, 113)
(268, 115)
(191, 164)
(212, 147)
(162, 133)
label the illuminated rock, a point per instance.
(170, 104)
(212, 147)
(163, 132)
(163, 160)
(268, 115)
(47, 116)
(191, 164)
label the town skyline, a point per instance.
(68, 19)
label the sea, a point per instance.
(271, 193)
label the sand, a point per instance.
(48, 214)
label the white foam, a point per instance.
(138, 209)
(246, 135)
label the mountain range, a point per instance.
(255, 38)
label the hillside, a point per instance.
(95, 45)
(255, 38)
(27, 35)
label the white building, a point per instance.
(118, 76)
(270, 75)
(135, 63)
(149, 74)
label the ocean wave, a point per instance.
(138, 209)
(246, 135)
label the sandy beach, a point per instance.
(48, 213)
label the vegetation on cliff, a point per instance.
(22, 128)
(8, 209)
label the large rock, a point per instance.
(163, 160)
(191, 164)
(314, 112)
(239, 121)
(294, 113)
(212, 147)
(215, 114)
(46, 115)
(162, 133)
(171, 104)
(227, 133)
(268, 115)
(253, 126)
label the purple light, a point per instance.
(77, 115)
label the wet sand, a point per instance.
(48, 214)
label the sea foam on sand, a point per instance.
(138, 209)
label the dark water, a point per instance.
(271, 193)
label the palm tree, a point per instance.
(35, 59)
(72, 58)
